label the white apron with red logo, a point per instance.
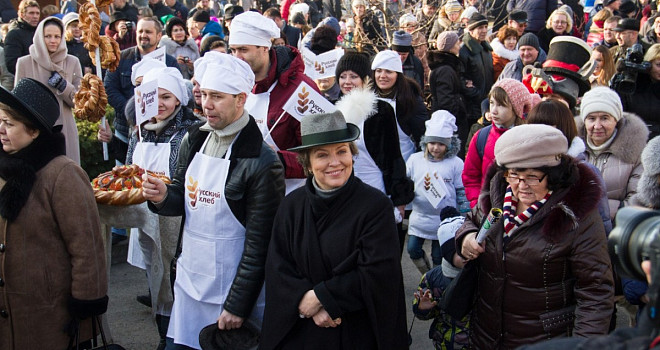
(257, 106)
(212, 248)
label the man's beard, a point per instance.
(145, 46)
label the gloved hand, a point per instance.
(57, 81)
(84, 309)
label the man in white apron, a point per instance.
(228, 186)
(278, 72)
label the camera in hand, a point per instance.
(625, 80)
(636, 238)
(129, 26)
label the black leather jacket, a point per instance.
(254, 190)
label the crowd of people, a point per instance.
(286, 230)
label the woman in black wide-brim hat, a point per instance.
(333, 272)
(52, 261)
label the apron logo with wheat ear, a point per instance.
(198, 195)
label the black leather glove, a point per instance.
(57, 81)
(84, 309)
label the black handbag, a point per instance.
(75, 340)
(459, 297)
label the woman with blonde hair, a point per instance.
(604, 69)
(559, 23)
(50, 64)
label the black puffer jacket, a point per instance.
(447, 88)
(17, 42)
(254, 190)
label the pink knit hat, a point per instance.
(521, 100)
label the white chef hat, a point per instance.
(141, 68)
(442, 124)
(300, 7)
(171, 80)
(228, 74)
(387, 59)
(202, 62)
(251, 28)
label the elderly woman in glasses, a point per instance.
(559, 23)
(544, 267)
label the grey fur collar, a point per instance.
(630, 140)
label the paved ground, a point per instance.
(132, 327)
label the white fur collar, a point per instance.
(358, 105)
(500, 50)
(576, 148)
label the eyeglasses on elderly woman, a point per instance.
(514, 179)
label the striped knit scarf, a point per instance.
(511, 222)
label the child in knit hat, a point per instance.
(436, 172)
(510, 101)
(446, 332)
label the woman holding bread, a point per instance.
(156, 148)
(50, 64)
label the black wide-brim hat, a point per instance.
(34, 101)
(325, 129)
(212, 338)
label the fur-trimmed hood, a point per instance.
(437, 59)
(503, 52)
(452, 150)
(564, 209)
(630, 138)
(358, 105)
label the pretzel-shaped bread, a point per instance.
(91, 99)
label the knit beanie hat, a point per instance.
(323, 40)
(452, 220)
(387, 59)
(202, 16)
(407, 18)
(529, 39)
(521, 100)
(401, 41)
(601, 99)
(530, 146)
(469, 12)
(446, 41)
(440, 128)
(453, 6)
(476, 20)
(353, 61)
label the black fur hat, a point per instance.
(355, 61)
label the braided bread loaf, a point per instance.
(91, 99)
(109, 53)
(103, 5)
(90, 23)
(122, 185)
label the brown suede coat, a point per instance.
(52, 251)
(555, 268)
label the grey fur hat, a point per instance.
(648, 187)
